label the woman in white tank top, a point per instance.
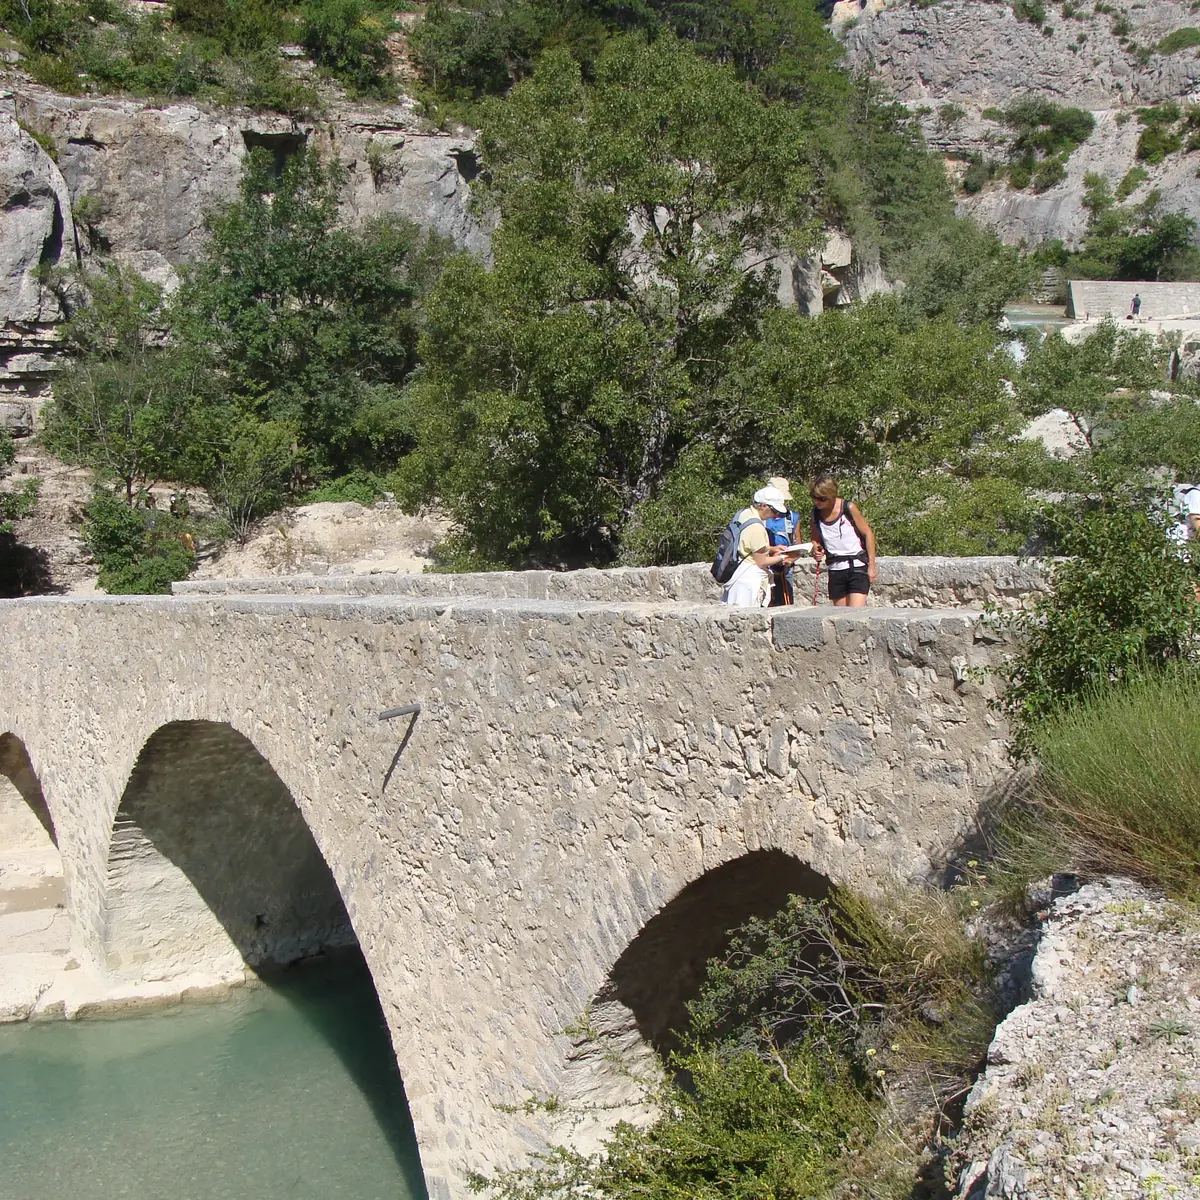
(844, 540)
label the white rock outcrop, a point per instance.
(1093, 1086)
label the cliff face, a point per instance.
(976, 55)
(132, 180)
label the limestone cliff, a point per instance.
(976, 55)
(132, 179)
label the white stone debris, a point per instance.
(1093, 1087)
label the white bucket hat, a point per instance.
(772, 496)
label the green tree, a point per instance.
(299, 321)
(127, 408)
(1101, 382)
(638, 220)
(1138, 241)
(1122, 602)
(139, 551)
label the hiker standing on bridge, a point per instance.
(1135, 306)
(745, 554)
(844, 542)
(784, 530)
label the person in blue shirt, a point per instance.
(783, 529)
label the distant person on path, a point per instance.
(1186, 500)
(784, 529)
(844, 542)
(1135, 306)
(745, 554)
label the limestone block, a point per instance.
(16, 417)
(37, 225)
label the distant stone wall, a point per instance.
(576, 765)
(914, 582)
(1095, 299)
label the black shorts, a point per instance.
(851, 581)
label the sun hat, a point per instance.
(772, 496)
(783, 485)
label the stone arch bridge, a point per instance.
(607, 772)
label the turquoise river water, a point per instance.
(284, 1091)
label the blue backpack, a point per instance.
(726, 561)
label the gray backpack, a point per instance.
(726, 562)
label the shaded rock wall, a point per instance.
(132, 180)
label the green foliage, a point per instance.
(1033, 11)
(560, 385)
(1138, 241)
(302, 323)
(22, 569)
(1131, 181)
(1155, 142)
(799, 1029)
(346, 37)
(1116, 787)
(221, 50)
(125, 408)
(1179, 39)
(1045, 135)
(1122, 602)
(249, 476)
(139, 551)
(682, 522)
(363, 487)
(866, 153)
(17, 503)
(281, 356)
(964, 272)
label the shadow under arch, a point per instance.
(211, 867)
(631, 1023)
(663, 968)
(17, 768)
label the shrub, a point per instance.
(363, 487)
(347, 39)
(1179, 39)
(1123, 602)
(1156, 142)
(976, 175)
(1117, 789)
(139, 551)
(1130, 182)
(798, 1031)
(1047, 173)
(1033, 11)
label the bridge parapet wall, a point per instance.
(904, 582)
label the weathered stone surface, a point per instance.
(972, 51)
(975, 55)
(1088, 1091)
(576, 766)
(37, 231)
(914, 582)
(16, 417)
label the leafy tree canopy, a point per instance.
(638, 220)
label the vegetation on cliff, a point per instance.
(214, 49)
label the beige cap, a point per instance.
(783, 486)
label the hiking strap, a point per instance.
(831, 559)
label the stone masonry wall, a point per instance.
(575, 766)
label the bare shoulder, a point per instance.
(855, 511)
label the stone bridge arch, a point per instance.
(33, 895)
(630, 1025)
(211, 865)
